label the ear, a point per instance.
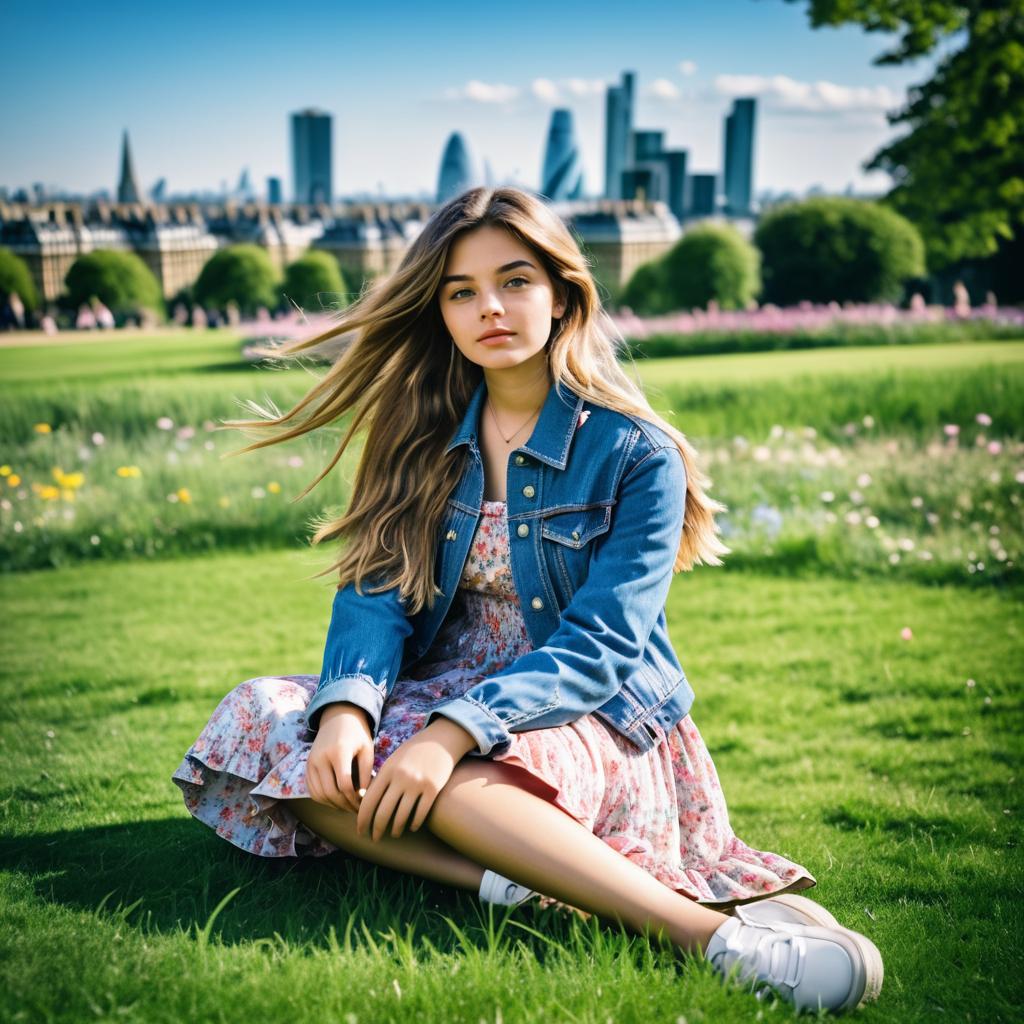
(558, 309)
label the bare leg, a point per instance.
(417, 853)
(484, 814)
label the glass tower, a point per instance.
(618, 134)
(562, 176)
(738, 172)
(311, 156)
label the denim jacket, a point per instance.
(595, 510)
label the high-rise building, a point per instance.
(738, 167)
(656, 173)
(702, 195)
(127, 189)
(618, 134)
(562, 175)
(311, 156)
(457, 171)
(274, 194)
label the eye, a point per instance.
(455, 295)
(523, 279)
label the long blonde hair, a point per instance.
(405, 380)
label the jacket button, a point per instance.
(520, 460)
(575, 534)
(536, 603)
(523, 530)
(529, 491)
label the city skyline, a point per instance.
(813, 130)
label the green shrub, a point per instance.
(242, 274)
(315, 279)
(120, 280)
(836, 248)
(710, 262)
(16, 278)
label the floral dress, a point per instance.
(662, 808)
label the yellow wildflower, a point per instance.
(223, 502)
(185, 495)
(129, 471)
(13, 480)
(46, 491)
(43, 428)
(68, 480)
(67, 494)
(5, 470)
(274, 487)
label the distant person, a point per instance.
(500, 708)
(86, 318)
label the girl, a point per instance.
(499, 706)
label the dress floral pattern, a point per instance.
(662, 808)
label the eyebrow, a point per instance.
(501, 270)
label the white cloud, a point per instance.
(483, 92)
(545, 90)
(663, 89)
(585, 86)
(783, 93)
(688, 67)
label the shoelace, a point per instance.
(777, 957)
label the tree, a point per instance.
(315, 279)
(645, 291)
(15, 278)
(119, 279)
(711, 261)
(239, 273)
(837, 248)
(959, 170)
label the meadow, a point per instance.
(863, 710)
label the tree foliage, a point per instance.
(15, 277)
(958, 171)
(315, 281)
(120, 280)
(711, 262)
(837, 248)
(242, 274)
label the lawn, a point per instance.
(890, 767)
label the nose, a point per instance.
(490, 304)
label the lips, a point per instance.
(495, 333)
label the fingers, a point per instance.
(404, 812)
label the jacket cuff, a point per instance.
(479, 721)
(356, 689)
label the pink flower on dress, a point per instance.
(583, 418)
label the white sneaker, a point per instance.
(495, 888)
(788, 907)
(809, 966)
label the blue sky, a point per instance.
(206, 89)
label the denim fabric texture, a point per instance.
(595, 511)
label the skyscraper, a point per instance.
(702, 195)
(562, 175)
(274, 195)
(311, 156)
(618, 134)
(457, 172)
(127, 189)
(738, 171)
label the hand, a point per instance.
(418, 770)
(344, 736)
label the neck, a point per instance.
(519, 390)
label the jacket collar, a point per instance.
(551, 435)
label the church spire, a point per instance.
(127, 190)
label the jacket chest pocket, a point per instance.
(568, 538)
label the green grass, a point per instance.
(777, 431)
(862, 756)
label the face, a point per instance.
(492, 281)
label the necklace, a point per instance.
(498, 428)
